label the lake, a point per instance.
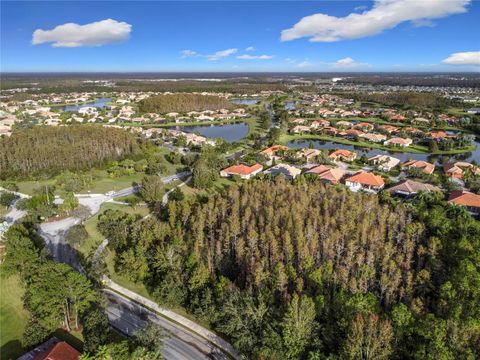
(328, 145)
(245, 101)
(228, 132)
(99, 103)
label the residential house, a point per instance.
(53, 349)
(384, 162)
(272, 151)
(421, 121)
(290, 172)
(343, 155)
(389, 128)
(364, 126)
(425, 166)
(299, 121)
(409, 188)
(244, 171)
(398, 118)
(437, 135)
(465, 198)
(319, 123)
(398, 141)
(330, 130)
(308, 154)
(327, 174)
(352, 133)
(344, 124)
(300, 129)
(457, 170)
(365, 181)
(373, 137)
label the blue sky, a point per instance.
(382, 35)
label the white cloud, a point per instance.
(74, 35)
(188, 53)
(254, 57)
(250, 48)
(221, 54)
(290, 60)
(348, 62)
(304, 64)
(385, 14)
(463, 58)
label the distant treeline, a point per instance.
(183, 103)
(466, 80)
(405, 99)
(49, 150)
(55, 86)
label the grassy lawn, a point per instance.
(95, 237)
(219, 185)
(13, 317)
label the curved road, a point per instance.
(124, 314)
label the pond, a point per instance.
(245, 101)
(328, 145)
(229, 132)
(290, 105)
(99, 103)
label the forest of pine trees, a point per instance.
(183, 102)
(50, 150)
(305, 271)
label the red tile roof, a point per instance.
(425, 166)
(59, 351)
(464, 198)
(273, 149)
(367, 178)
(243, 169)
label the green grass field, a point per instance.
(13, 317)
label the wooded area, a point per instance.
(405, 99)
(183, 102)
(50, 150)
(304, 271)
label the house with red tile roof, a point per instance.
(437, 135)
(272, 151)
(327, 174)
(398, 141)
(389, 128)
(425, 166)
(244, 171)
(364, 126)
(465, 198)
(52, 349)
(343, 155)
(365, 181)
(351, 133)
(398, 118)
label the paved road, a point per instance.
(172, 178)
(127, 316)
